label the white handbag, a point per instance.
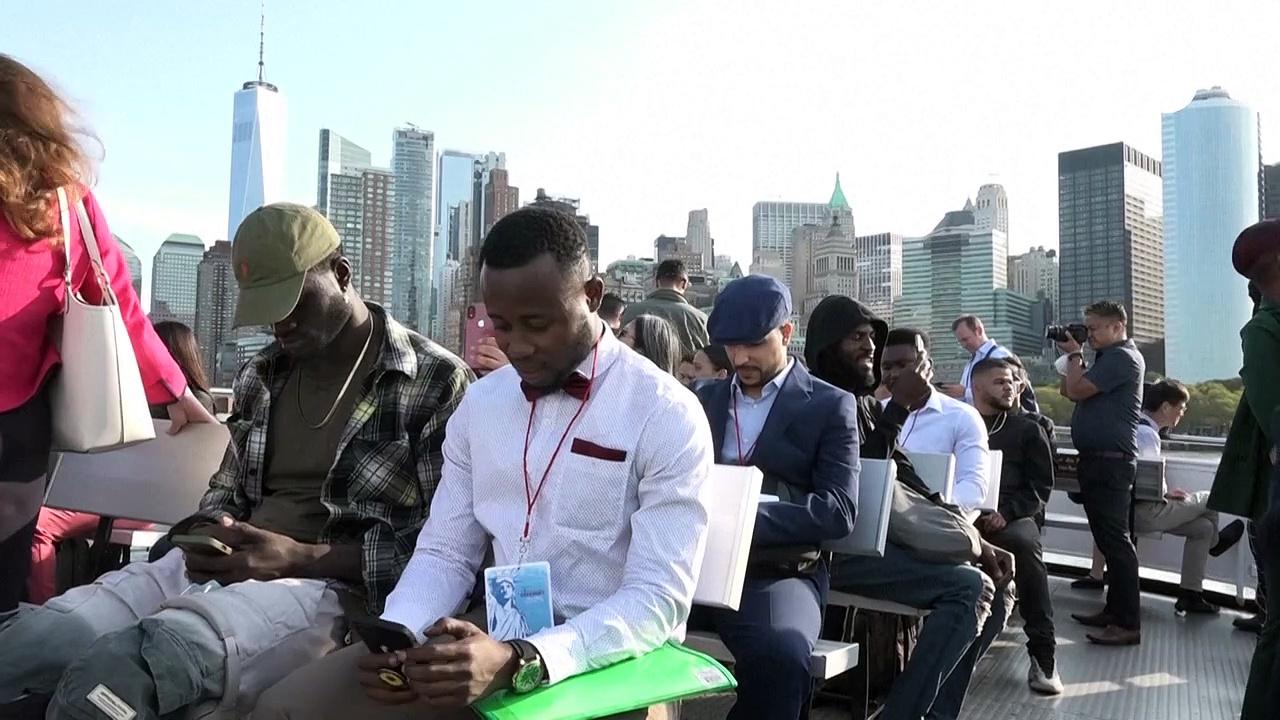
(98, 400)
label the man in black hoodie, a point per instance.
(843, 344)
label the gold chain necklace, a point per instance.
(346, 384)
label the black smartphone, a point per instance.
(201, 545)
(383, 637)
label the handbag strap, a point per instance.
(65, 218)
(91, 244)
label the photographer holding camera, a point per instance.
(1104, 430)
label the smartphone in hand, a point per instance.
(201, 545)
(382, 638)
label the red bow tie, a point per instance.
(577, 386)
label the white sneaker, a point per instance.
(1044, 683)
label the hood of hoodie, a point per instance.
(834, 319)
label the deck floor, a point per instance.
(1191, 668)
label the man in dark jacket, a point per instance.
(1025, 483)
(1246, 470)
(668, 302)
(843, 344)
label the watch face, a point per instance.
(527, 677)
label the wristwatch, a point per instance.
(530, 673)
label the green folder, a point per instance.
(671, 672)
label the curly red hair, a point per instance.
(40, 151)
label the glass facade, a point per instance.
(1211, 179)
(771, 226)
(1110, 239)
(413, 160)
(257, 152)
(174, 271)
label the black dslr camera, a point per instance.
(1060, 333)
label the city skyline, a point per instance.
(615, 149)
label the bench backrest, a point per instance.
(731, 495)
(160, 480)
(875, 500)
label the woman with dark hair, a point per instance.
(654, 338)
(41, 152)
(182, 345)
(712, 363)
(54, 526)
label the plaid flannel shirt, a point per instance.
(389, 457)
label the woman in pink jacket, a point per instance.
(40, 151)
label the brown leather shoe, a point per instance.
(1101, 620)
(1116, 635)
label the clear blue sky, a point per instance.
(647, 110)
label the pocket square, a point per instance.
(599, 452)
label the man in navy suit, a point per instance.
(803, 435)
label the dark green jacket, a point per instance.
(1241, 486)
(689, 322)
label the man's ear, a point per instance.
(594, 290)
(342, 271)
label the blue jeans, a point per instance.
(959, 598)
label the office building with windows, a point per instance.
(959, 269)
(1271, 192)
(1110, 237)
(134, 263)
(174, 271)
(216, 293)
(879, 261)
(1035, 274)
(413, 161)
(337, 154)
(1211, 180)
(257, 149)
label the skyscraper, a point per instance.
(453, 185)
(1110, 236)
(257, 146)
(361, 208)
(134, 264)
(1211, 179)
(216, 293)
(484, 165)
(376, 278)
(772, 223)
(957, 269)
(336, 155)
(1035, 274)
(500, 199)
(413, 159)
(1271, 192)
(823, 264)
(174, 272)
(879, 259)
(698, 235)
(992, 209)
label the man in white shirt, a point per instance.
(943, 425)
(971, 334)
(580, 453)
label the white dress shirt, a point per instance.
(750, 417)
(947, 426)
(989, 349)
(1148, 437)
(624, 538)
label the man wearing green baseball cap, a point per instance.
(336, 452)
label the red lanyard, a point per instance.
(531, 494)
(737, 430)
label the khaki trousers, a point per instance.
(327, 689)
(1190, 518)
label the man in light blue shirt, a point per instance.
(745, 424)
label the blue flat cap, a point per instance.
(748, 309)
